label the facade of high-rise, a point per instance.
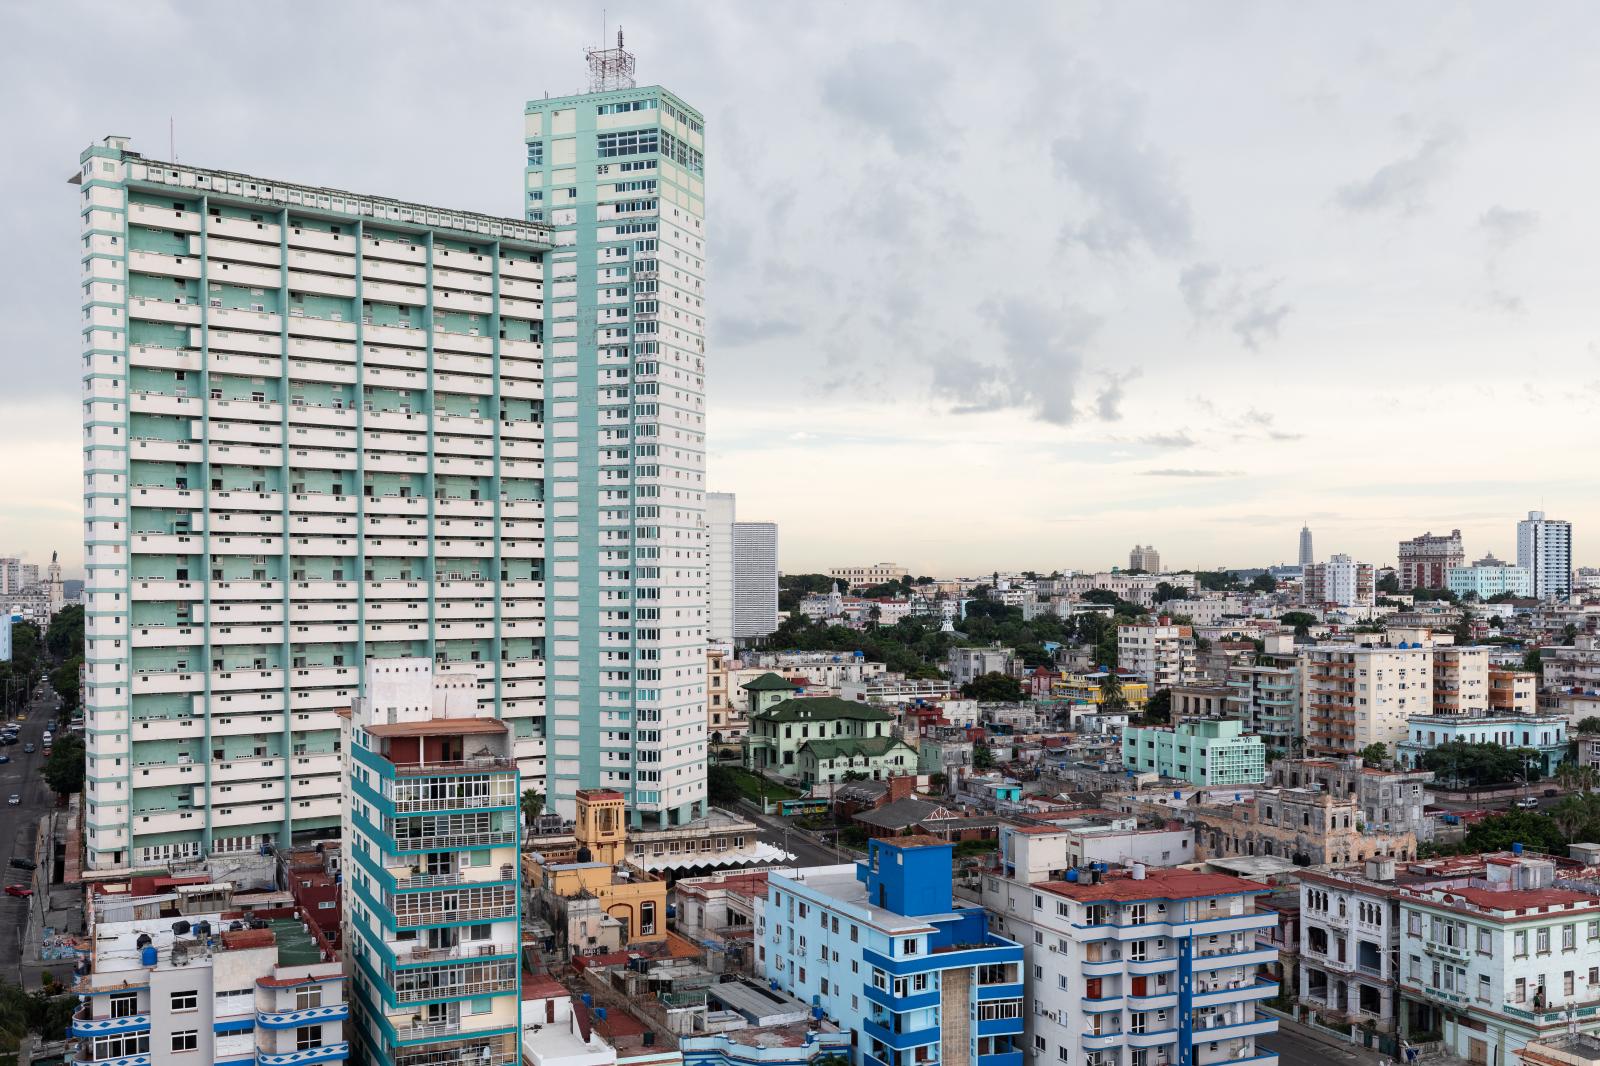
(618, 175)
(314, 437)
(432, 889)
(1307, 556)
(1146, 558)
(1354, 695)
(1544, 549)
(721, 513)
(755, 579)
(1488, 577)
(1425, 562)
(1340, 581)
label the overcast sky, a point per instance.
(984, 291)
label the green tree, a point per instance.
(1375, 755)
(1111, 697)
(1390, 584)
(982, 757)
(1483, 764)
(1569, 634)
(64, 639)
(1533, 661)
(65, 679)
(1166, 591)
(1159, 707)
(63, 770)
(1301, 620)
(1433, 595)
(532, 805)
(1463, 629)
(1264, 583)
(722, 788)
(994, 688)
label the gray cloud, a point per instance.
(1108, 404)
(1189, 472)
(735, 331)
(1403, 184)
(1131, 187)
(1042, 365)
(1180, 439)
(888, 89)
(1252, 312)
(1504, 226)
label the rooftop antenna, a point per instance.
(610, 68)
(172, 139)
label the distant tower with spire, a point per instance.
(1307, 556)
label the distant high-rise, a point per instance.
(1307, 556)
(721, 510)
(1544, 547)
(1426, 561)
(755, 579)
(1341, 581)
(1145, 558)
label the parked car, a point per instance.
(23, 864)
(14, 800)
(28, 748)
(4, 759)
(1528, 803)
(20, 891)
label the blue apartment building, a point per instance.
(882, 949)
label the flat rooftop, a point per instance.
(438, 727)
(1161, 883)
(839, 884)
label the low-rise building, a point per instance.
(1489, 577)
(1545, 733)
(1349, 941)
(1391, 800)
(1266, 693)
(1307, 825)
(591, 896)
(780, 733)
(1202, 752)
(1489, 965)
(965, 665)
(896, 690)
(1201, 701)
(1460, 679)
(1513, 691)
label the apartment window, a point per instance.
(1542, 941)
(1520, 995)
(307, 1037)
(186, 1040)
(1483, 988)
(1567, 981)
(124, 1004)
(1569, 937)
(306, 998)
(185, 1000)
(1485, 943)
(1519, 944)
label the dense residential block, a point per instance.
(1201, 752)
(314, 436)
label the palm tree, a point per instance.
(532, 806)
(1111, 698)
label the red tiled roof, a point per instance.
(542, 986)
(1156, 884)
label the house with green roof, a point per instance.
(767, 691)
(779, 733)
(872, 757)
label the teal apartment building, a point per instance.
(314, 437)
(1205, 752)
(618, 176)
(432, 896)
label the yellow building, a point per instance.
(569, 884)
(1090, 688)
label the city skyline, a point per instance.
(1153, 390)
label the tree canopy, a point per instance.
(63, 771)
(994, 688)
(1462, 763)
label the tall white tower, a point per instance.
(1544, 548)
(1307, 556)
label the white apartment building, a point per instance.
(314, 436)
(171, 981)
(721, 513)
(1544, 549)
(1497, 962)
(1161, 654)
(1340, 581)
(755, 579)
(968, 664)
(1460, 679)
(1353, 695)
(1148, 967)
(1349, 940)
(867, 576)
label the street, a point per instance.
(806, 851)
(1295, 1049)
(19, 829)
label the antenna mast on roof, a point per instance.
(610, 68)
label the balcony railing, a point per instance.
(454, 990)
(479, 765)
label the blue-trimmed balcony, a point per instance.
(1243, 994)
(1253, 957)
(1102, 1041)
(291, 1019)
(1258, 1027)
(234, 1025)
(122, 1060)
(86, 1026)
(325, 1053)
(917, 1001)
(1151, 1038)
(987, 992)
(992, 950)
(1007, 1058)
(900, 1041)
(237, 1060)
(999, 1026)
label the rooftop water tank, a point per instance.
(1072, 877)
(148, 955)
(1516, 849)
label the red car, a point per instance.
(20, 891)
